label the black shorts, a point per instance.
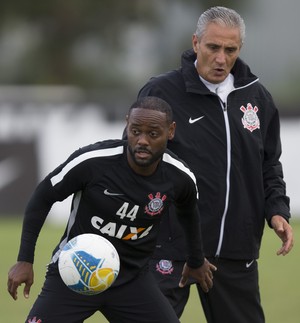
(234, 296)
(167, 274)
(138, 301)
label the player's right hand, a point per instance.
(21, 272)
(203, 275)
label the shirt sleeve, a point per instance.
(36, 213)
(45, 195)
(189, 218)
(190, 221)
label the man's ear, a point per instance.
(172, 128)
(195, 43)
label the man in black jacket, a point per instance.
(228, 133)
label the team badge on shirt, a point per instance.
(156, 205)
(250, 119)
(165, 267)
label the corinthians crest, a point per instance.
(165, 267)
(250, 119)
(156, 205)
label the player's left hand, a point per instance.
(203, 275)
(285, 232)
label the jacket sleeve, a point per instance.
(155, 87)
(276, 200)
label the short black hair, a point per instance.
(153, 103)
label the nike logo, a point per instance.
(248, 264)
(195, 120)
(106, 192)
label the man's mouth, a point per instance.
(219, 70)
(142, 153)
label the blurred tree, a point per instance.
(78, 42)
(58, 26)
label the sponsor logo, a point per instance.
(191, 121)
(106, 192)
(250, 119)
(165, 267)
(248, 264)
(156, 205)
(123, 232)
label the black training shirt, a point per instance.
(111, 200)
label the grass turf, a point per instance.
(279, 276)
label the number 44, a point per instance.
(123, 212)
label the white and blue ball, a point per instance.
(89, 264)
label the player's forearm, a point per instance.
(191, 224)
(35, 215)
(29, 237)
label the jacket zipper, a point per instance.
(228, 141)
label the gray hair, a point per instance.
(222, 16)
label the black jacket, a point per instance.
(233, 148)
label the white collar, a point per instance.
(223, 88)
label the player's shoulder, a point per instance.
(106, 148)
(177, 164)
(171, 157)
(110, 146)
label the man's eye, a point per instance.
(231, 50)
(213, 47)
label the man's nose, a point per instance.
(221, 57)
(143, 139)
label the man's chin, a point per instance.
(143, 162)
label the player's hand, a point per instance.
(21, 272)
(203, 275)
(285, 232)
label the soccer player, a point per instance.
(121, 190)
(228, 132)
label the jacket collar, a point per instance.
(241, 72)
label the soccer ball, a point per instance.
(89, 264)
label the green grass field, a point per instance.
(279, 277)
